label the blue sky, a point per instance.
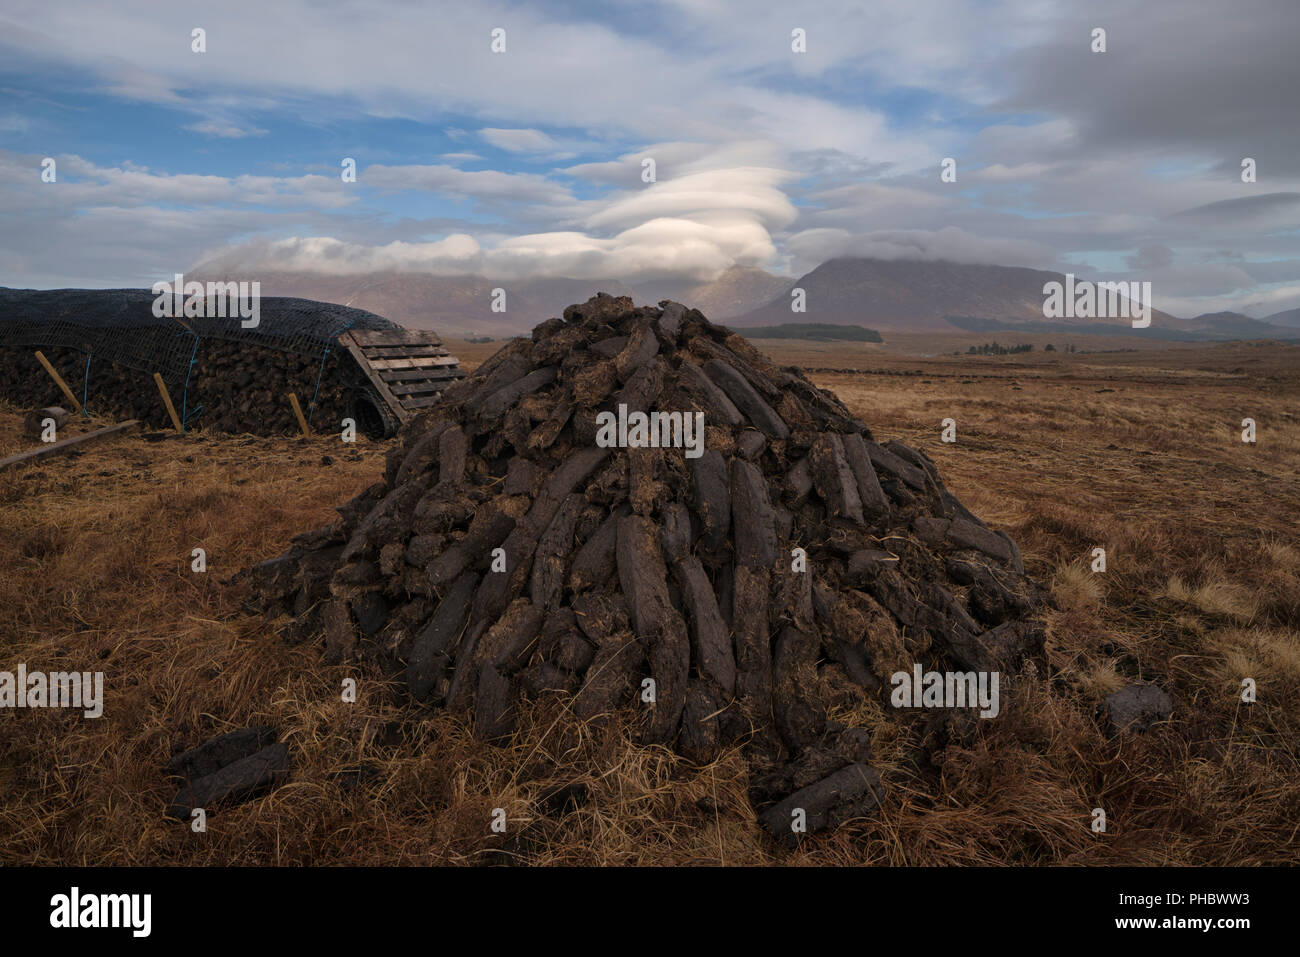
(526, 163)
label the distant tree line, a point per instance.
(995, 349)
(817, 331)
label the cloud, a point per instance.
(1285, 270)
(83, 184)
(453, 255)
(876, 203)
(519, 141)
(750, 193)
(1270, 209)
(1150, 258)
(468, 184)
(536, 145)
(1190, 77)
(224, 130)
(696, 227)
(661, 247)
(814, 246)
(1257, 304)
(696, 224)
(1203, 279)
(1002, 173)
(559, 71)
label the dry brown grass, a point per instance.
(1202, 590)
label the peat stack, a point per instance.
(107, 344)
(234, 387)
(754, 589)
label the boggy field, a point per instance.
(1139, 453)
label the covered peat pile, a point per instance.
(234, 387)
(751, 592)
(107, 345)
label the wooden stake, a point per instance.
(167, 401)
(58, 380)
(297, 410)
(55, 448)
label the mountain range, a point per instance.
(1290, 317)
(888, 295)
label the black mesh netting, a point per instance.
(118, 325)
(93, 335)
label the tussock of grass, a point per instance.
(1270, 656)
(1222, 598)
(1077, 588)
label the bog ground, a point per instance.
(1137, 452)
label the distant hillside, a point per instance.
(1211, 330)
(914, 295)
(1235, 325)
(459, 306)
(737, 291)
(821, 331)
(1290, 317)
(876, 294)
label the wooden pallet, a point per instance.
(408, 368)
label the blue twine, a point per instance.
(311, 410)
(85, 389)
(185, 394)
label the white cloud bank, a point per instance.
(697, 224)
